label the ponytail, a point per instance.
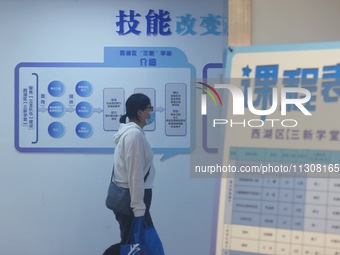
(123, 118)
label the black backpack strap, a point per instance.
(113, 173)
(147, 174)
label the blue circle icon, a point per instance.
(56, 129)
(56, 88)
(84, 88)
(84, 130)
(56, 109)
(84, 109)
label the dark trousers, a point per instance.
(125, 222)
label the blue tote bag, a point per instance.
(144, 240)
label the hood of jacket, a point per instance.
(123, 129)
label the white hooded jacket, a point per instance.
(133, 158)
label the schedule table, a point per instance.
(283, 213)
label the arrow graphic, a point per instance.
(69, 109)
(159, 109)
(42, 109)
(99, 110)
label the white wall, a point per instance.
(54, 203)
(295, 21)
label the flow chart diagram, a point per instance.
(75, 107)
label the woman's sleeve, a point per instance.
(135, 162)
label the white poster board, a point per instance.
(282, 194)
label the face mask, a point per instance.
(152, 118)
